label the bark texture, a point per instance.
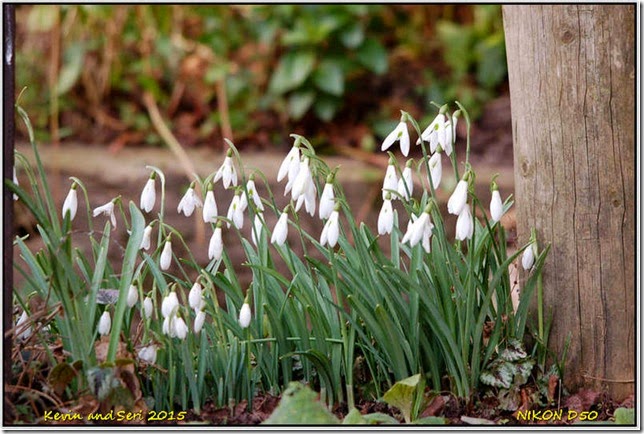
(572, 85)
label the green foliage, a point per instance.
(625, 416)
(406, 395)
(300, 406)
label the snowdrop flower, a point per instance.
(464, 224)
(71, 203)
(434, 132)
(169, 304)
(209, 206)
(406, 183)
(104, 324)
(436, 169)
(281, 229)
(257, 228)
(448, 136)
(496, 204)
(147, 307)
(254, 195)
(458, 198)
(527, 260)
(236, 211)
(108, 210)
(166, 255)
(303, 180)
(195, 296)
(290, 165)
(199, 320)
(308, 199)
(147, 234)
(399, 133)
(216, 245)
(148, 354)
(331, 230)
(179, 328)
(419, 229)
(386, 217)
(132, 296)
(148, 195)
(26, 334)
(391, 179)
(190, 201)
(227, 171)
(327, 200)
(244, 315)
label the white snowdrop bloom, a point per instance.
(436, 169)
(168, 326)
(195, 295)
(199, 321)
(147, 307)
(227, 172)
(209, 206)
(257, 228)
(190, 201)
(426, 238)
(104, 324)
(132, 296)
(26, 334)
(399, 133)
(448, 137)
(108, 210)
(327, 201)
(331, 230)
(71, 203)
(290, 164)
(386, 217)
(464, 224)
(410, 227)
(281, 230)
(15, 181)
(458, 198)
(432, 133)
(148, 195)
(166, 256)
(308, 199)
(418, 229)
(527, 260)
(406, 183)
(169, 304)
(180, 328)
(147, 235)
(216, 245)
(244, 315)
(148, 354)
(236, 212)
(496, 206)
(302, 180)
(391, 180)
(254, 195)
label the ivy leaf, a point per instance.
(291, 71)
(373, 56)
(328, 77)
(513, 351)
(500, 374)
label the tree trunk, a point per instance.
(572, 86)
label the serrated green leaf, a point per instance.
(291, 71)
(328, 77)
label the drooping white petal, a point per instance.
(280, 231)
(26, 334)
(331, 230)
(458, 198)
(169, 304)
(216, 245)
(15, 181)
(254, 195)
(418, 229)
(302, 179)
(432, 128)
(148, 196)
(188, 202)
(235, 212)
(390, 182)
(386, 218)
(257, 229)
(291, 160)
(147, 307)
(104, 324)
(327, 201)
(148, 354)
(180, 328)
(310, 194)
(496, 206)
(166, 256)
(227, 173)
(244, 315)
(147, 235)
(410, 227)
(426, 239)
(406, 184)
(199, 320)
(71, 204)
(210, 208)
(132, 296)
(399, 133)
(527, 260)
(107, 210)
(436, 169)
(195, 295)
(464, 224)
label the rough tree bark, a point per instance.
(572, 85)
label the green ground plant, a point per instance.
(428, 305)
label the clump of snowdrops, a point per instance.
(345, 312)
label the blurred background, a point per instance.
(338, 74)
